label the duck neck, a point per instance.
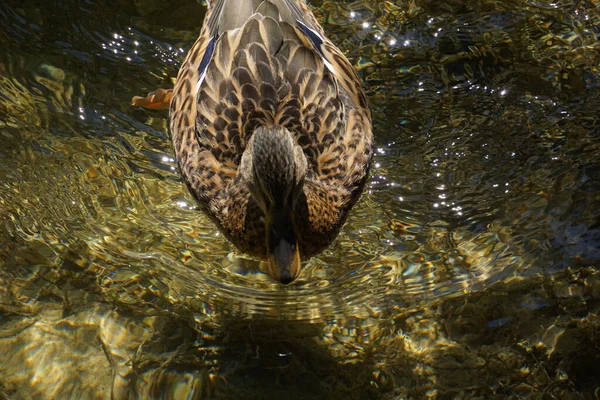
(275, 168)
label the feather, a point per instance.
(267, 64)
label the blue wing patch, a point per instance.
(314, 37)
(210, 49)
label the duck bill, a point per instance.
(283, 254)
(284, 262)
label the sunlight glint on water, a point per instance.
(468, 268)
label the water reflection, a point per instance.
(468, 269)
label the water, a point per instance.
(468, 269)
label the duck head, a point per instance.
(273, 166)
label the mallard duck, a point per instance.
(271, 129)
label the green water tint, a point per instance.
(468, 269)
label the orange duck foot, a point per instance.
(156, 100)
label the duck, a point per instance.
(271, 130)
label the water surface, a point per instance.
(468, 268)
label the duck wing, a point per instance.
(268, 62)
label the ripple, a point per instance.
(474, 248)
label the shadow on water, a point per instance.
(468, 269)
(83, 336)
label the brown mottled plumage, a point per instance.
(266, 66)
